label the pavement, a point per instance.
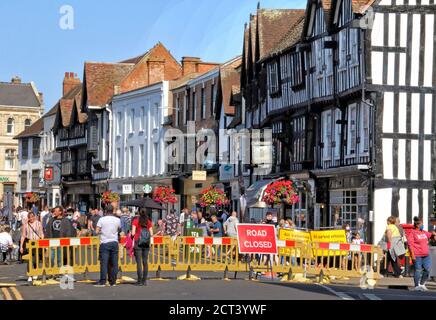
(14, 286)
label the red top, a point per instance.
(418, 243)
(138, 227)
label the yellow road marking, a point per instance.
(17, 294)
(6, 294)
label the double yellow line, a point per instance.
(10, 296)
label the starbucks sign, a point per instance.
(147, 188)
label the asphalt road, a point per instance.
(206, 289)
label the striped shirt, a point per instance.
(34, 234)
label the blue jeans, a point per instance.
(125, 224)
(59, 254)
(108, 257)
(422, 270)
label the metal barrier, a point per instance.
(344, 260)
(186, 254)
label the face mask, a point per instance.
(70, 217)
(421, 228)
(348, 229)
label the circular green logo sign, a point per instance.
(147, 188)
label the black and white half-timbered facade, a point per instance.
(349, 96)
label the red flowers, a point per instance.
(32, 197)
(164, 194)
(281, 191)
(109, 196)
(213, 196)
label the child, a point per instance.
(357, 256)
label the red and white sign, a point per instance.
(257, 238)
(48, 174)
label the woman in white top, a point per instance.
(31, 230)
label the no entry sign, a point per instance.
(257, 238)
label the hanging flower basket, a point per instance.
(109, 197)
(32, 197)
(282, 191)
(213, 197)
(164, 195)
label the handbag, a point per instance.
(383, 244)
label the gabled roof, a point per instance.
(52, 111)
(32, 131)
(100, 80)
(273, 24)
(290, 39)
(64, 107)
(18, 95)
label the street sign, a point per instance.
(257, 238)
(48, 174)
(147, 188)
(127, 189)
(199, 176)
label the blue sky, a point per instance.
(35, 48)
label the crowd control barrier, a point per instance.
(81, 256)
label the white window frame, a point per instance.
(10, 126)
(141, 119)
(119, 123)
(132, 121)
(352, 126)
(327, 134)
(364, 126)
(337, 134)
(10, 159)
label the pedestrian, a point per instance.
(289, 224)
(108, 228)
(44, 212)
(357, 256)
(269, 219)
(348, 233)
(142, 231)
(230, 230)
(230, 225)
(22, 216)
(217, 228)
(6, 243)
(159, 229)
(184, 216)
(31, 230)
(419, 252)
(171, 225)
(53, 231)
(93, 221)
(125, 220)
(395, 246)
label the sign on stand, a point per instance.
(257, 238)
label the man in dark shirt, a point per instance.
(269, 219)
(217, 231)
(53, 231)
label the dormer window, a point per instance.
(27, 123)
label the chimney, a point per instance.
(190, 65)
(16, 80)
(70, 81)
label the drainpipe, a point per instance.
(109, 110)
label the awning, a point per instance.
(255, 192)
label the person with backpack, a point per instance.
(142, 231)
(419, 252)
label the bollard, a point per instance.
(250, 275)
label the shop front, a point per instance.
(190, 191)
(79, 194)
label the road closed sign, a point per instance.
(257, 238)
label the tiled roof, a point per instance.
(18, 95)
(52, 111)
(291, 38)
(100, 80)
(360, 6)
(32, 131)
(66, 104)
(273, 26)
(230, 77)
